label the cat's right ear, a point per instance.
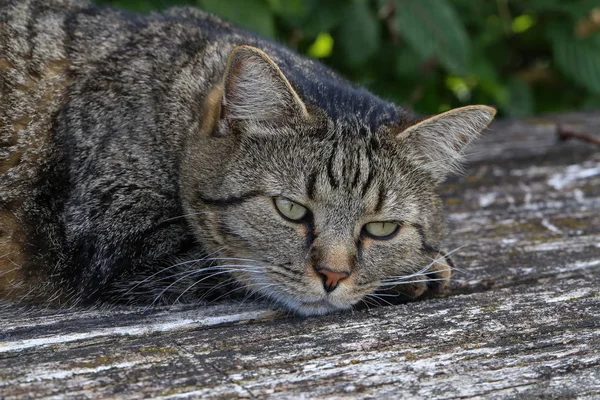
(253, 92)
(438, 143)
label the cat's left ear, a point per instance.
(438, 143)
(254, 91)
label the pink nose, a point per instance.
(331, 279)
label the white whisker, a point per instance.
(187, 215)
(378, 298)
(167, 269)
(409, 282)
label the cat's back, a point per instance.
(51, 52)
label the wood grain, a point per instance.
(520, 320)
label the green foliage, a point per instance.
(358, 33)
(253, 14)
(524, 56)
(432, 29)
(579, 59)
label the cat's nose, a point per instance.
(331, 279)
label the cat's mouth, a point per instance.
(315, 302)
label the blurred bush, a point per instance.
(524, 56)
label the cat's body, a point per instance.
(129, 144)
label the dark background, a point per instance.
(523, 56)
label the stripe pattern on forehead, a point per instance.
(349, 165)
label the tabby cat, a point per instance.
(159, 158)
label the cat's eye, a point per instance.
(290, 210)
(382, 229)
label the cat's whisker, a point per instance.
(229, 268)
(234, 259)
(222, 284)
(424, 270)
(186, 215)
(226, 271)
(409, 282)
(254, 292)
(147, 279)
(404, 277)
(226, 294)
(421, 271)
(378, 297)
(438, 260)
(368, 302)
(255, 296)
(454, 250)
(383, 294)
(422, 277)
(425, 276)
(201, 280)
(222, 269)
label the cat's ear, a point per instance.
(255, 91)
(438, 142)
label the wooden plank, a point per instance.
(521, 319)
(505, 342)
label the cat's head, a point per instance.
(315, 212)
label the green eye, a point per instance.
(382, 230)
(290, 210)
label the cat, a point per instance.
(158, 158)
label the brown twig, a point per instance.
(295, 38)
(504, 13)
(566, 133)
(387, 13)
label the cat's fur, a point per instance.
(132, 144)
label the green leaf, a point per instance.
(579, 59)
(482, 67)
(254, 15)
(407, 62)
(432, 27)
(576, 9)
(522, 23)
(358, 34)
(289, 8)
(546, 5)
(322, 46)
(319, 16)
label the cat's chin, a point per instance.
(320, 307)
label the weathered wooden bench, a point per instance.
(520, 320)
